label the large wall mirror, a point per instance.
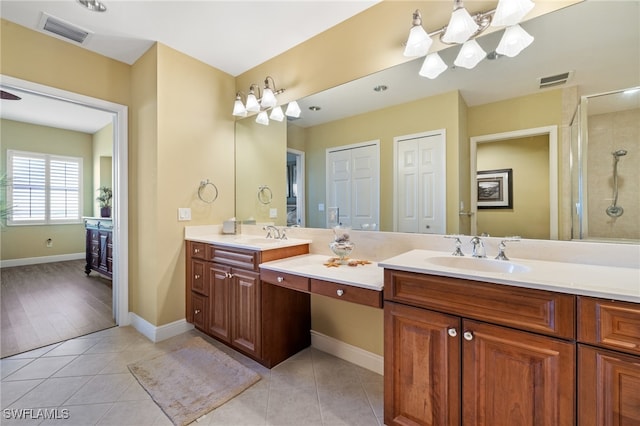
(498, 96)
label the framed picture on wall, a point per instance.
(495, 189)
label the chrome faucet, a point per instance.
(272, 232)
(458, 250)
(503, 246)
(478, 248)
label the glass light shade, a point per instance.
(238, 108)
(418, 43)
(293, 110)
(252, 103)
(510, 12)
(470, 54)
(277, 114)
(514, 41)
(268, 98)
(262, 118)
(432, 66)
(461, 27)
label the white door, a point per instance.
(420, 183)
(353, 184)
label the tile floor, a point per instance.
(86, 379)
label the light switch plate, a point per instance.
(321, 207)
(184, 214)
(273, 213)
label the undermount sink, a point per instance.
(258, 241)
(478, 264)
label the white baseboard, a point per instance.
(157, 334)
(353, 354)
(44, 259)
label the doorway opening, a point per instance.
(119, 171)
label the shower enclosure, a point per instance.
(605, 167)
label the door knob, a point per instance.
(197, 311)
(197, 277)
(452, 332)
(468, 335)
(340, 292)
(280, 279)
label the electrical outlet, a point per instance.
(49, 243)
(273, 213)
(184, 214)
(321, 207)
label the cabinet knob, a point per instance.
(196, 251)
(197, 311)
(468, 335)
(228, 274)
(280, 279)
(197, 277)
(452, 332)
(340, 292)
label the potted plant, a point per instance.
(106, 194)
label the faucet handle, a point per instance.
(458, 250)
(503, 246)
(283, 234)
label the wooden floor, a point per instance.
(51, 302)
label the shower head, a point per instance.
(619, 153)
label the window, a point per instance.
(43, 188)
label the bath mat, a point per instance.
(190, 381)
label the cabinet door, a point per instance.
(198, 278)
(199, 307)
(218, 309)
(421, 367)
(516, 378)
(609, 388)
(245, 311)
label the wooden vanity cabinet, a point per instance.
(608, 362)
(99, 246)
(225, 299)
(471, 353)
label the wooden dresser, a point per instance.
(99, 245)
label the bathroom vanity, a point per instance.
(253, 294)
(469, 347)
(99, 245)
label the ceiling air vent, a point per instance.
(63, 29)
(554, 80)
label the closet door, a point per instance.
(353, 185)
(421, 184)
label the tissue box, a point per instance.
(229, 227)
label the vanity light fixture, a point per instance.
(262, 102)
(463, 28)
(93, 5)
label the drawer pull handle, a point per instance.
(228, 275)
(452, 332)
(197, 311)
(340, 292)
(280, 279)
(468, 335)
(197, 277)
(196, 251)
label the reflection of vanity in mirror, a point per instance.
(498, 97)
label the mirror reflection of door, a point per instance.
(353, 185)
(420, 183)
(295, 188)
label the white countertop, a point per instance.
(588, 280)
(251, 242)
(312, 266)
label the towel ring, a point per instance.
(265, 199)
(206, 194)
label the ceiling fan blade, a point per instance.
(9, 96)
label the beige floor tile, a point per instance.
(132, 413)
(80, 415)
(73, 347)
(10, 392)
(102, 388)
(86, 365)
(40, 368)
(51, 392)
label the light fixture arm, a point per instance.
(252, 91)
(275, 90)
(483, 19)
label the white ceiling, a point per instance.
(567, 40)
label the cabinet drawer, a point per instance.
(348, 293)
(526, 309)
(199, 306)
(295, 282)
(610, 324)
(198, 282)
(197, 250)
(246, 259)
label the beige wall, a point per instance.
(529, 160)
(19, 242)
(102, 163)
